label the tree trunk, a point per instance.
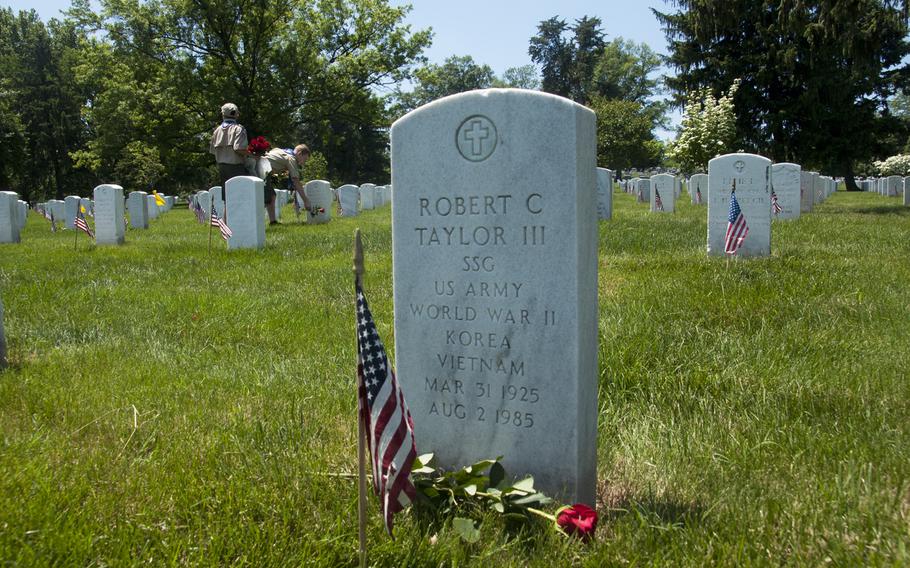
(849, 182)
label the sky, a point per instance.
(493, 32)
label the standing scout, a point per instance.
(229, 145)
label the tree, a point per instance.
(299, 71)
(456, 75)
(568, 63)
(627, 70)
(816, 74)
(625, 135)
(39, 106)
(708, 129)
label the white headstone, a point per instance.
(495, 283)
(244, 203)
(319, 193)
(218, 200)
(663, 185)
(22, 210)
(698, 189)
(348, 196)
(819, 188)
(204, 199)
(9, 217)
(907, 191)
(892, 185)
(752, 175)
(604, 194)
(109, 227)
(137, 205)
(71, 205)
(643, 189)
(367, 193)
(806, 192)
(785, 180)
(58, 209)
(152, 208)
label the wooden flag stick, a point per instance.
(361, 434)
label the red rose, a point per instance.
(578, 520)
(259, 146)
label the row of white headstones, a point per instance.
(351, 199)
(756, 179)
(108, 207)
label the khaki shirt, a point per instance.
(281, 161)
(228, 142)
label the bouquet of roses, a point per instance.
(259, 146)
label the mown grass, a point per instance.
(167, 406)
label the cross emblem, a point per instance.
(476, 135)
(476, 138)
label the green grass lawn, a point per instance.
(167, 406)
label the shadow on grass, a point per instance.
(884, 210)
(618, 503)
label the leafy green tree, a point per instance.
(627, 71)
(39, 106)
(816, 74)
(299, 71)
(625, 135)
(456, 75)
(523, 77)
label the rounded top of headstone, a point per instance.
(739, 160)
(782, 165)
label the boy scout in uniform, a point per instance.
(229, 145)
(290, 161)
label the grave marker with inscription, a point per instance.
(244, 200)
(495, 283)
(348, 196)
(367, 193)
(663, 185)
(752, 175)
(785, 180)
(698, 189)
(109, 227)
(152, 207)
(319, 193)
(137, 205)
(9, 217)
(71, 204)
(806, 189)
(604, 194)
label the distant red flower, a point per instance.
(578, 520)
(259, 146)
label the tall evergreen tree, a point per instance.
(816, 74)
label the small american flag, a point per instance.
(737, 229)
(222, 226)
(658, 203)
(199, 211)
(81, 224)
(386, 419)
(698, 196)
(775, 206)
(50, 217)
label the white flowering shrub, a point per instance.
(708, 129)
(894, 166)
